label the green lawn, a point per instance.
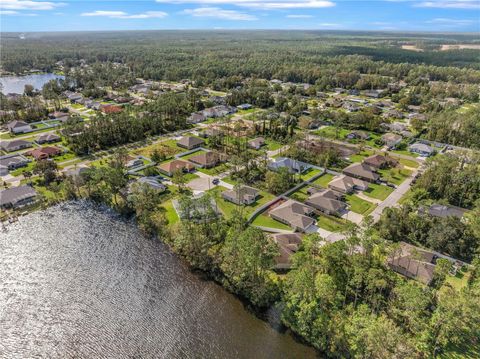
(170, 213)
(19, 171)
(395, 175)
(359, 157)
(330, 223)
(406, 197)
(65, 157)
(272, 145)
(229, 180)
(406, 153)
(264, 220)
(301, 194)
(228, 207)
(324, 180)
(332, 132)
(193, 154)
(169, 148)
(214, 171)
(408, 163)
(359, 205)
(378, 191)
(311, 172)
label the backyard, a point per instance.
(378, 191)
(324, 180)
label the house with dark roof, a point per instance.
(14, 145)
(16, 197)
(11, 162)
(380, 161)
(16, 127)
(196, 118)
(208, 159)
(358, 135)
(362, 171)
(153, 183)
(256, 143)
(288, 244)
(43, 153)
(292, 165)
(241, 195)
(323, 202)
(294, 214)
(169, 168)
(347, 184)
(48, 138)
(190, 142)
(244, 106)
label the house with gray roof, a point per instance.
(256, 143)
(48, 138)
(241, 195)
(422, 149)
(12, 162)
(323, 202)
(347, 184)
(17, 197)
(442, 211)
(288, 244)
(292, 165)
(16, 127)
(14, 145)
(391, 140)
(294, 214)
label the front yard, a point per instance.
(331, 223)
(311, 172)
(395, 175)
(359, 205)
(324, 180)
(378, 191)
(264, 220)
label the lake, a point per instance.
(78, 281)
(16, 84)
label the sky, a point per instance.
(384, 15)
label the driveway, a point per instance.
(201, 184)
(353, 217)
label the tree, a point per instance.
(247, 258)
(280, 181)
(179, 179)
(28, 90)
(46, 168)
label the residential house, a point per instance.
(196, 210)
(442, 211)
(292, 165)
(171, 167)
(43, 153)
(14, 145)
(396, 126)
(12, 162)
(108, 109)
(196, 118)
(414, 262)
(153, 183)
(241, 195)
(16, 127)
(245, 106)
(323, 202)
(351, 107)
(211, 132)
(295, 214)
(374, 93)
(358, 135)
(392, 113)
(380, 161)
(48, 138)
(256, 143)
(59, 115)
(422, 149)
(362, 171)
(208, 159)
(288, 244)
(190, 142)
(16, 197)
(347, 184)
(391, 140)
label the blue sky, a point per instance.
(392, 15)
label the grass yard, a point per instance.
(229, 180)
(332, 224)
(406, 153)
(272, 145)
(214, 171)
(395, 175)
(359, 205)
(301, 194)
(324, 180)
(171, 214)
(378, 191)
(264, 220)
(169, 148)
(19, 171)
(408, 163)
(406, 197)
(311, 172)
(193, 154)
(332, 133)
(189, 176)
(359, 157)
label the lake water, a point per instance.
(16, 84)
(78, 282)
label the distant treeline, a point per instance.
(210, 58)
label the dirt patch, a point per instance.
(460, 47)
(411, 48)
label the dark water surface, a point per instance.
(76, 281)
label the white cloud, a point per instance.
(450, 4)
(265, 4)
(16, 13)
(29, 5)
(330, 24)
(442, 20)
(299, 16)
(219, 14)
(124, 15)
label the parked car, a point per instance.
(216, 181)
